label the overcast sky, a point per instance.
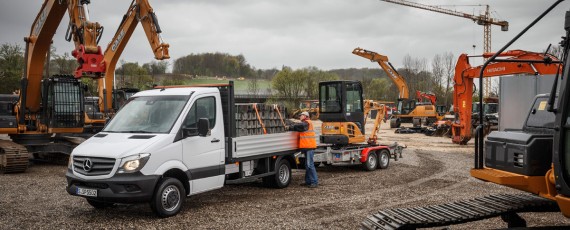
(301, 33)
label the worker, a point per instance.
(307, 145)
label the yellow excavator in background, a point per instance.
(141, 12)
(310, 106)
(408, 110)
(344, 113)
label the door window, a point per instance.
(203, 108)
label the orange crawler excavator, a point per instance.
(465, 74)
(141, 12)
(408, 110)
(534, 160)
(51, 105)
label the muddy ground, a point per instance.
(432, 171)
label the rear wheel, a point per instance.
(383, 159)
(371, 162)
(282, 176)
(417, 122)
(168, 197)
(394, 123)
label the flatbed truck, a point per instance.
(186, 144)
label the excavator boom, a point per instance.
(139, 11)
(382, 60)
(521, 63)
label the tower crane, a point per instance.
(484, 20)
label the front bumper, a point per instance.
(121, 188)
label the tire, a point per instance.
(371, 162)
(394, 123)
(99, 204)
(168, 197)
(417, 122)
(281, 178)
(383, 159)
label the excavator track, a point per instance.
(504, 205)
(14, 158)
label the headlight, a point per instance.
(134, 163)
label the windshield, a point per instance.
(155, 114)
(330, 98)
(492, 108)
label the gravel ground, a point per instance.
(432, 171)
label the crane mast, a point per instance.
(484, 20)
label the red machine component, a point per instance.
(420, 96)
(90, 64)
(465, 73)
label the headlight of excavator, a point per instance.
(133, 163)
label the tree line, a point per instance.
(294, 84)
(435, 76)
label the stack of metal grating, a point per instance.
(258, 119)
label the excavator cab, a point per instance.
(341, 107)
(121, 96)
(64, 102)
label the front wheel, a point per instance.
(168, 197)
(384, 159)
(371, 162)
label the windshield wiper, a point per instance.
(135, 131)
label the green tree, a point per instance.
(213, 64)
(134, 76)
(377, 89)
(62, 64)
(11, 67)
(312, 79)
(289, 85)
(155, 68)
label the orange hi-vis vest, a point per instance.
(307, 139)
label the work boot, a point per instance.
(313, 186)
(303, 184)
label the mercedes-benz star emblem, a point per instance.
(87, 165)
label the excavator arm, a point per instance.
(370, 105)
(139, 11)
(465, 73)
(83, 33)
(382, 60)
(86, 35)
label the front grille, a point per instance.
(99, 165)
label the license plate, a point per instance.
(337, 157)
(87, 192)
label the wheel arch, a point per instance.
(179, 175)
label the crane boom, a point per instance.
(484, 20)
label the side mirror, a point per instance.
(203, 127)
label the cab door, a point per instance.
(204, 155)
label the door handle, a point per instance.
(215, 140)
